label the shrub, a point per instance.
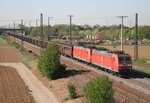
(49, 63)
(72, 90)
(99, 90)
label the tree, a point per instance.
(144, 32)
(49, 63)
(99, 90)
(35, 32)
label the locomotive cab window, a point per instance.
(124, 59)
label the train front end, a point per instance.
(124, 64)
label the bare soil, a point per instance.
(12, 88)
(9, 54)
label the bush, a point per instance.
(72, 90)
(99, 90)
(49, 63)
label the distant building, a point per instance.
(94, 36)
(73, 37)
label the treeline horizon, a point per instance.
(107, 32)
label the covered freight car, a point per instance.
(66, 50)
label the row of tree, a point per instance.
(107, 32)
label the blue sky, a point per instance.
(102, 12)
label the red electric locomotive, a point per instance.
(116, 62)
(82, 53)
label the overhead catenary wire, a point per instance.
(103, 20)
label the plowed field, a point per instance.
(142, 50)
(9, 54)
(12, 88)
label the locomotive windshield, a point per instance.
(124, 59)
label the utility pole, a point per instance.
(9, 25)
(14, 30)
(49, 27)
(136, 38)
(70, 31)
(122, 17)
(41, 20)
(25, 24)
(22, 32)
(36, 22)
(22, 27)
(29, 23)
(14, 27)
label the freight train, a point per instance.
(116, 62)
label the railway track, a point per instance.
(139, 83)
(119, 91)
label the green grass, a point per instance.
(28, 57)
(142, 69)
(144, 61)
(27, 60)
(141, 60)
(3, 41)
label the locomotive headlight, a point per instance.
(120, 64)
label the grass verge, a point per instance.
(27, 55)
(142, 69)
(3, 41)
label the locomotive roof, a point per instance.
(101, 50)
(105, 52)
(109, 52)
(81, 47)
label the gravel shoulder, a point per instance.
(40, 93)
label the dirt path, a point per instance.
(39, 92)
